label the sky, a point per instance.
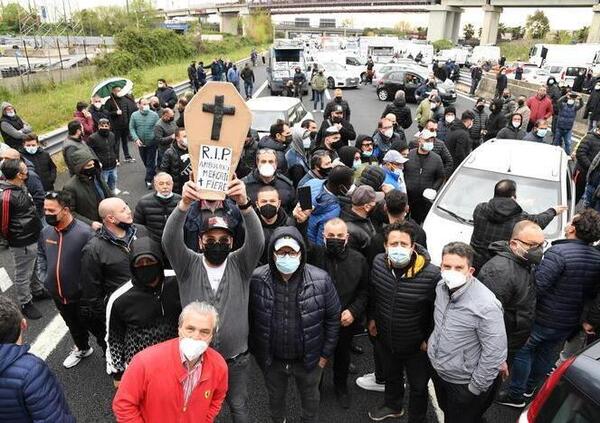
(577, 17)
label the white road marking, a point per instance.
(436, 407)
(5, 281)
(47, 341)
(260, 89)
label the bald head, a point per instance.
(526, 228)
(11, 154)
(114, 211)
(336, 228)
(526, 235)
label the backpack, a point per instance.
(5, 217)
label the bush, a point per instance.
(442, 45)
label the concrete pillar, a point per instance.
(442, 22)
(245, 18)
(594, 33)
(456, 29)
(491, 19)
(229, 23)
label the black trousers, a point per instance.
(458, 403)
(418, 372)
(78, 328)
(341, 358)
(122, 138)
(379, 373)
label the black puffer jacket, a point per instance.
(479, 124)
(511, 279)
(280, 149)
(104, 147)
(399, 108)
(318, 305)
(361, 230)
(44, 166)
(402, 304)
(138, 315)
(152, 212)
(592, 107)
(23, 225)
(587, 150)
(496, 120)
(441, 149)
(167, 97)
(509, 132)
(283, 185)
(494, 221)
(112, 105)
(176, 162)
(458, 142)
(331, 105)
(423, 171)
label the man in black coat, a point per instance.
(495, 219)
(272, 215)
(501, 82)
(102, 142)
(338, 100)
(357, 219)
(176, 161)
(119, 110)
(400, 314)
(399, 108)
(424, 169)
(509, 275)
(166, 95)
(459, 138)
(153, 209)
(42, 161)
(588, 149)
(345, 128)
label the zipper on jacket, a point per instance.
(60, 237)
(443, 326)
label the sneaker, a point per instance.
(529, 394)
(40, 295)
(505, 398)
(314, 111)
(116, 191)
(149, 185)
(322, 110)
(118, 163)
(130, 160)
(369, 383)
(385, 412)
(75, 356)
(352, 369)
(29, 311)
(343, 397)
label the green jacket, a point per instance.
(423, 113)
(319, 82)
(141, 126)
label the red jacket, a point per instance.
(86, 123)
(151, 389)
(540, 109)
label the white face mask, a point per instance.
(356, 164)
(192, 349)
(306, 142)
(450, 118)
(146, 108)
(10, 114)
(267, 170)
(98, 105)
(388, 133)
(516, 123)
(453, 279)
(351, 190)
(31, 150)
(570, 102)
(164, 196)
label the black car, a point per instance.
(409, 81)
(571, 393)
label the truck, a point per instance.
(284, 57)
(413, 47)
(486, 53)
(459, 55)
(381, 49)
(582, 54)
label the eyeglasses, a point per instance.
(51, 195)
(222, 240)
(289, 253)
(533, 245)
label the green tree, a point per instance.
(516, 32)
(13, 16)
(581, 35)
(469, 31)
(259, 27)
(402, 27)
(537, 25)
(442, 45)
(422, 31)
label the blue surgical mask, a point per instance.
(287, 264)
(542, 132)
(427, 146)
(356, 164)
(32, 150)
(399, 256)
(367, 153)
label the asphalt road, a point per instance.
(89, 389)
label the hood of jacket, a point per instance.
(81, 157)
(373, 176)
(400, 102)
(496, 106)
(298, 134)
(285, 231)
(502, 248)
(510, 125)
(144, 247)
(268, 142)
(360, 139)
(346, 155)
(9, 353)
(6, 104)
(502, 209)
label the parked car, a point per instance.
(571, 393)
(266, 111)
(409, 80)
(565, 73)
(383, 68)
(338, 76)
(541, 171)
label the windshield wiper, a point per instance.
(456, 216)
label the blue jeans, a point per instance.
(248, 88)
(563, 135)
(148, 155)
(110, 177)
(536, 358)
(318, 97)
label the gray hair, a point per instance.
(160, 174)
(200, 307)
(400, 95)
(262, 151)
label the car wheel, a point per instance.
(383, 95)
(330, 83)
(273, 92)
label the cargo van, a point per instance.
(284, 57)
(485, 54)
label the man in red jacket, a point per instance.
(540, 106)
(179, 380)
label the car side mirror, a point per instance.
(430, 194)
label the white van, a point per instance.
(485, 53)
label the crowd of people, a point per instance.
(182, 291)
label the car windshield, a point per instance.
(333, 67)
(263, 120)
(533, 195)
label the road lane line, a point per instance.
(436, 407)
(5, 281)
(260, 89)
(48, 340)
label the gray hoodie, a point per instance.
(232, 296)
(468, 343)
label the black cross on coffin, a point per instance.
(218, 110)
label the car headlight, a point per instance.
(280, 74)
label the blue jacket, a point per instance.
(394, 180)
(318, 305)
(566, 278)
(326, 207)
(567, 114)
(29, 391)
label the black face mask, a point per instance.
(338, 99)
(104, 132)
(90, 172)
(521, 103)
(534, 255)
(324, 171)
(123, 225)
(154, 105)
(171, 119)
(268, 211)
(335, 246)
(216, 253)
(288, 139)
(52, 219)
(148, 274)
(480, 107)
(313, 135)
(336, 119)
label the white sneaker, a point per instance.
(116, 191)
(314, 111)
(75, 357)
(322, 111)
(368, 382)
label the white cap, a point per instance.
(394, 156)
(287, 241)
